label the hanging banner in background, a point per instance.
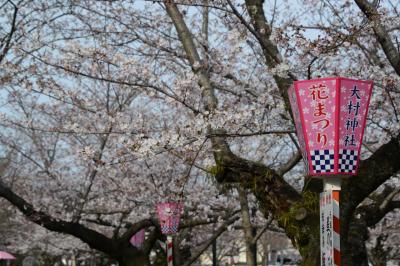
(169, 215)
(138, 238)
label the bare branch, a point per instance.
(6, 45)
(141, 84)
(258, 133)
(216, 234)
(381, 33)
(373, 172)
(262, 231)
(290, 164)
(389, 198)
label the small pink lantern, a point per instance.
(138, 238)
(6, 256)
(330, 116)
(169, 215)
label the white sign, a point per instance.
(329, 228)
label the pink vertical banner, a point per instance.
(317, 107)
(138, 238)
(354, 102)
(299, 127)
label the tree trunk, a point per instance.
(214, 253)
(134, 261)
(127, 257)
(254, 246)
(310, 251)
(247, 228)
(353, 237)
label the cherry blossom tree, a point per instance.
(112, 106)
(98, 167)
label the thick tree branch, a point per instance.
(136, 227)
(209, 99)
(382, 205)
(93, 238)
(395, 204)
(269, 187)
(373, 172)
(263, 31)
(247, 226)
(258, 133)
(381, 34)
(388, 199)
(270, 50)
(290, 164)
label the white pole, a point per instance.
(170, 257)
(330, 221)
(332, 183)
